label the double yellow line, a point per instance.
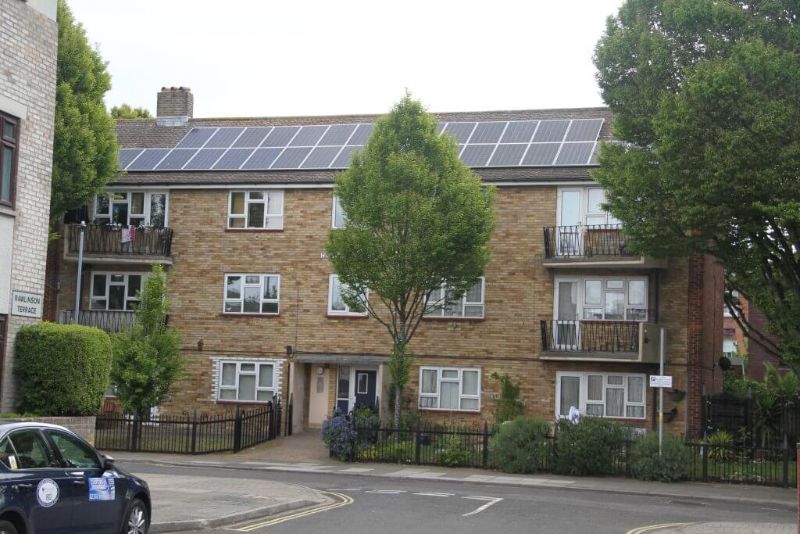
(651, 528)
(340, 499)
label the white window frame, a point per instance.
(333, 281)
(238, 373)
(581, 282)
(107, 289)
(272, 221)
(436, 310)
(261, 281)
(585, 212)
(146, 215)
(461, 395)
(583, 393)
(337, 206)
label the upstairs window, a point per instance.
(444, 302)
(583, 206)
(338, 217)
(252, 294)
(336, 304)
(115, 291)
(9, 137)
(255, 209)
(131, 208)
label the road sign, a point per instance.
(660, 381)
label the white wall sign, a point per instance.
(660, 381)
(26, 304)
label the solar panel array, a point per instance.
(527, 143)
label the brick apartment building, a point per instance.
(29, 42)
(239, 211)
(749, 357)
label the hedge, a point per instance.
(61, 369)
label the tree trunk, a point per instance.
(398, 400)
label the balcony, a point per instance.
(108, 320)
(103, 243)
(600, 341)
(599, 245)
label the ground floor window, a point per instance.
(442, 388)
(601, 394)
(115, 291)
(246, 381)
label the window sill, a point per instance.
(455, 319)
(445, 410)
(346, 316)
(253, 230)
(255, 315)
(227, 401)
(7, 210)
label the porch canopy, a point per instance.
(339, 359)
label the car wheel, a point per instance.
(7, 528)
(136, 519)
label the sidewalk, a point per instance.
(306, 453)
(189, 502)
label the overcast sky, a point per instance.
(304, 57)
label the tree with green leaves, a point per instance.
(85, 145)
(706, 102)
(146, 358)
(417, 217)
(125, 111)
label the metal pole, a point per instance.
(80, 274)
(663, 335)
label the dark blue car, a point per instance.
(52, 481)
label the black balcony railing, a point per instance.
(108, 320)
(590, 336)
(112, 239)
(585, 241)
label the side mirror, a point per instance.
(108, 462)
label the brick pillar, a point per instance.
(694, 347)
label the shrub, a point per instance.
(521, 445)
(62, 369)
(508, 406)
(720, 446)
(672, 465)
(456, 450)
(591, 447)
(367, 424)
(340, 436)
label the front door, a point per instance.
(366, 384)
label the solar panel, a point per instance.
(528, 143)
(595, 154)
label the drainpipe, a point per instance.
(76, 318)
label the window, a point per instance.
(115, 291)
(9, 137)
(729, 347)
(450, 389)
(132, 208)
(337, 305)
(255, 209)
(444, 302)
(583, 206)
(601, 395)
(7, 454)
(601, 299)
(246, 381)
(252, 293)
(73, 451)
(32, 451)
(338, 217)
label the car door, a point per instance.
(99, 499)
(42, 483)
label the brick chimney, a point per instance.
(175, 106)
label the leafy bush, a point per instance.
(367, 423)
(455, 450)
(340, 436)
(672, 465)
(62, 369)
(508, 406)
(591, 447)
(720, 446)
(521, 445)
(388, 451)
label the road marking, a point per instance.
(344, 489)
(435, 494)
(357, 470)
(341, 500)
(388, 492)
(491, 502)
(653, 528)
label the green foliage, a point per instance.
(741, 387)
(61, 369)
(340, 436)
(416, 217)
(672, 465)
(720, 446)
(508, 406)
(125, 111)
(521, 445)
(456, 451)
(147, 357)
(85, 146)
(591, 447)
(706, 100)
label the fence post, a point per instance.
(417, 444)
(289, 414)
(485, 459)
(194, 433)
(237, 431)
(785, 480)
(135, 430)
(704, 454)
(278, 417)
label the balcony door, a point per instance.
(566, 328)
(569, 233)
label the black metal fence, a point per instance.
(590, 336)
(108, 239)
(584, 241)
(189, 434)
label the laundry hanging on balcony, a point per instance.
(128, 235)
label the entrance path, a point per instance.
(304, 446)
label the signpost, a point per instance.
(76, 318)
(661, 381)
